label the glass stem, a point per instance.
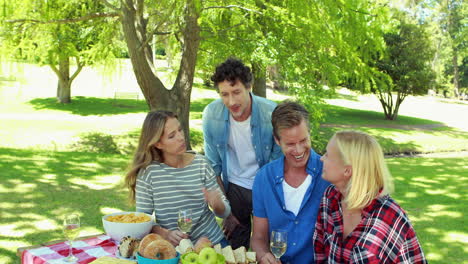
(70, 251)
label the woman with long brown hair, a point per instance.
(165, 178)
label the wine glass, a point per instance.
(184, 222)
(71, 229)
(278, 242)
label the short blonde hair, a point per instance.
(370, 173)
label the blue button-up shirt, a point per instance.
(268, 202)
(216, 134)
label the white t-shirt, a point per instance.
(241, 160)
(293, 196)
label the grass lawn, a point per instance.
(43, 176)
(38, 187)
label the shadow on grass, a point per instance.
(433, 192)
(85, 106)
(342, 115)
(389, 145)
(38, 187)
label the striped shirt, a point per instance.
(165, 190)
(384, 235)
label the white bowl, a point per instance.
(118, 230)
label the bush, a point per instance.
(96, 142)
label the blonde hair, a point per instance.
(370, 173)
(146, 152)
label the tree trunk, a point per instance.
(64, 81)
(156, 95)
(259, 80)
(455, 72)
(182, 88)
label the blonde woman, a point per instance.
(358, 222)
(164, 178)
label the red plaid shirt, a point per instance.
(384, 235)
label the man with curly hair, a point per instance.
(238, 140)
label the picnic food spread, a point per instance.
(129, 218)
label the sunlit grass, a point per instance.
(433, 193)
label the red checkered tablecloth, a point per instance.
(85, 250)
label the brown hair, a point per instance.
(288, 114)
(146, 152)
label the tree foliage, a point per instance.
(48, 32)
(405, 68)
(313, 45)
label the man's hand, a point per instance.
(229, 224)
(268, 258)
(175, 236)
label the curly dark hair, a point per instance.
(232, 70)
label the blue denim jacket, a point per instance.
(216, 134)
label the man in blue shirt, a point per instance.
(287, 191)
(238, 140)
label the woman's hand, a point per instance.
(213, 198)
(175, 236)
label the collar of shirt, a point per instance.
(366, 211)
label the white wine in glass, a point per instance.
(278, 243)
(71, 230)
(184, 222)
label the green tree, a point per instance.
(52, 35)
(312, 44)
(405, 67)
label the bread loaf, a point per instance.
(128, 246)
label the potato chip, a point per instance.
(129, 218)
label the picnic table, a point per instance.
(87, 249)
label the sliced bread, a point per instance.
(251, 257)
(229, 255)
(239, 255)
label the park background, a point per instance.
(66, 150)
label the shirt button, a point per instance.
(294, 244)
(284, 207)
(297, 222)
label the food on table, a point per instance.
(202, 242)
(128, 247)
(239, 255)
(218, 249)
(185, 246)
(190, 258)
(229, 255)
(251, 256)
(153, 246)
(148, 239)
(208, 256)
(129, 218)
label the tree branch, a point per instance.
(234, 6)
(80, 66)
(67, 20)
